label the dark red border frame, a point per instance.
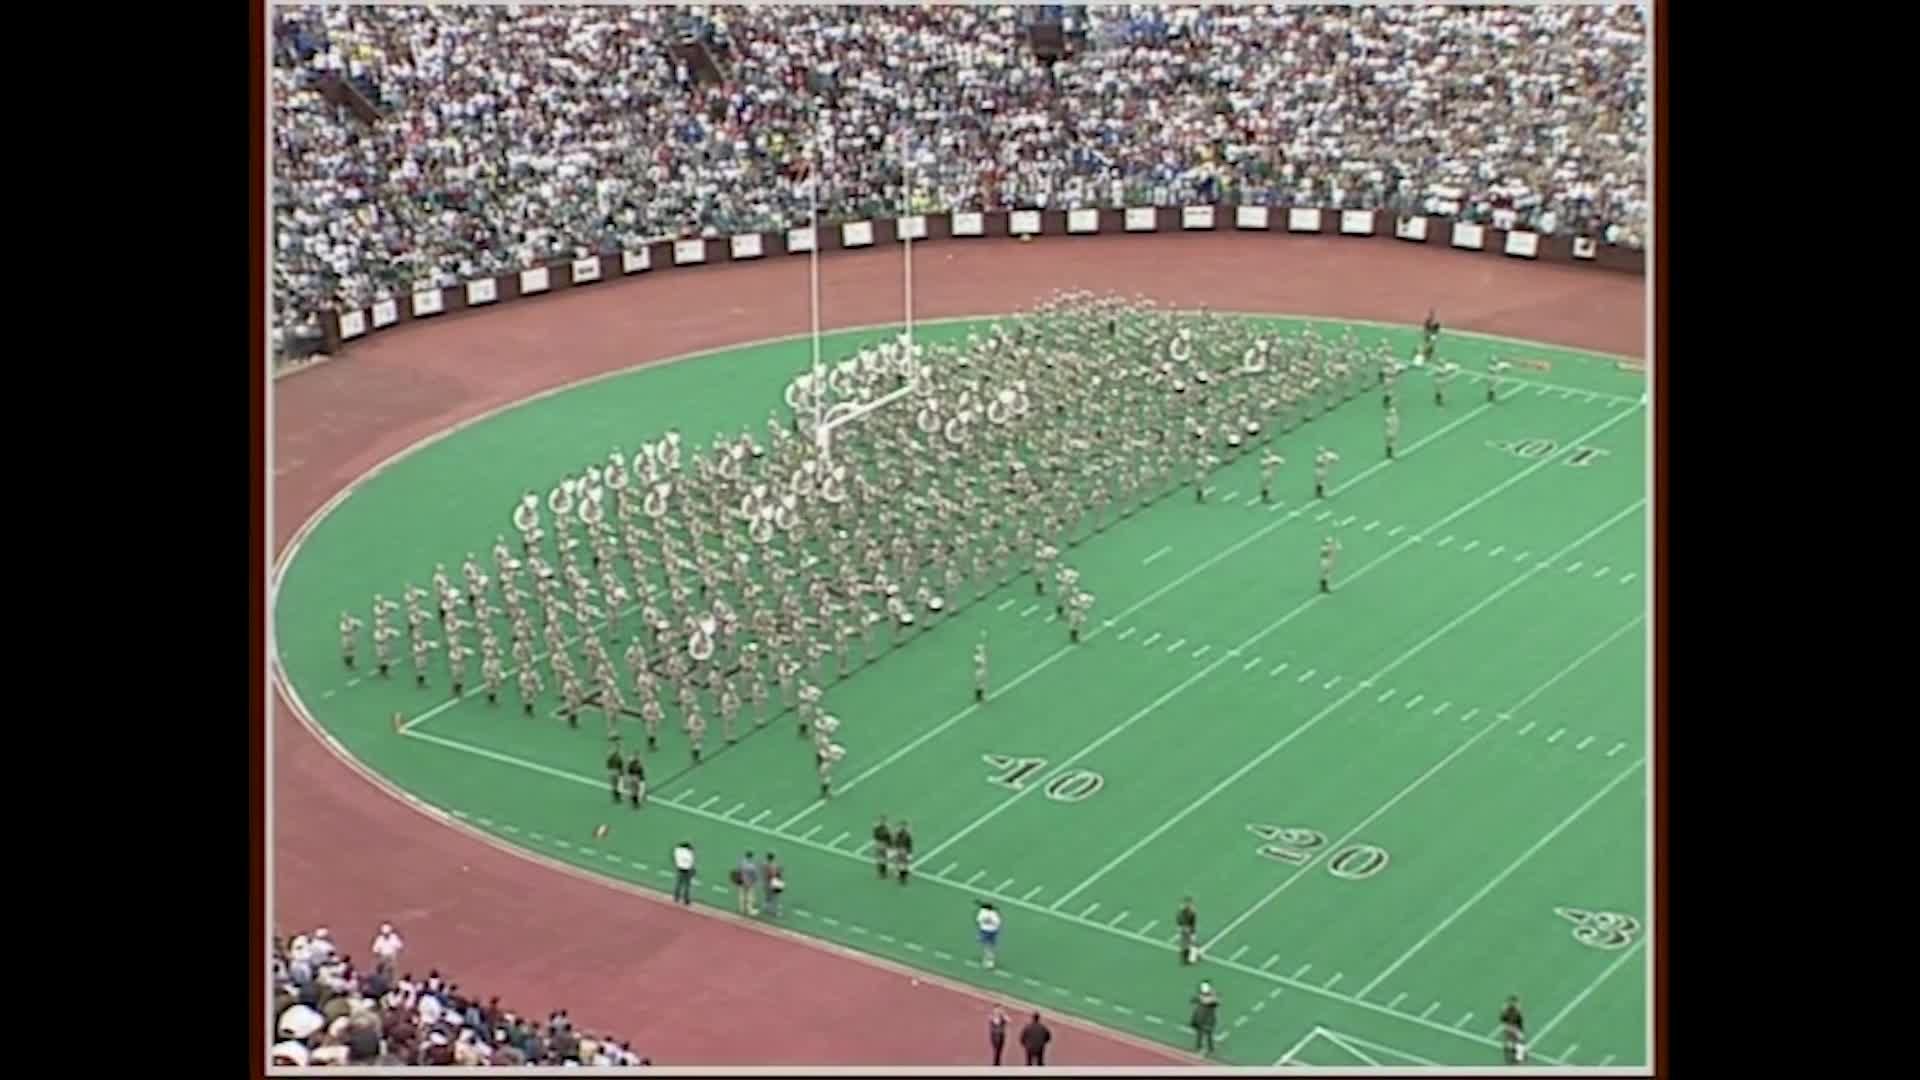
(257, 562)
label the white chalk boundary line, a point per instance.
(291, 550)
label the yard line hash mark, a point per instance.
(1148, 561)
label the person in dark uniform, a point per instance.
(997, 1032)
(636, 780)
(882, 847)
(1429, 333)
(1034, 1039)
(616, 770)
(1206, 1015)
(1513, 1032)
(902, 851)
(1187, 919)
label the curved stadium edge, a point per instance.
(340, 329)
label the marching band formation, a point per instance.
(761, 559)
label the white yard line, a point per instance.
(1149, 560)
(1314, 720)
(1588, 992)
(1503, 875)
(1054, 657)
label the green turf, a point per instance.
(1469, 701)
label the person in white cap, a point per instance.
(387, 946)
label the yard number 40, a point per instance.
(1069, 786)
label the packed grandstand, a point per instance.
(424, 146)
(329, 1011)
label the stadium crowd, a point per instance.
(327, 1012)
(506, 137)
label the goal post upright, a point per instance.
(906, 233)
(813, 275)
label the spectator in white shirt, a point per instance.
(387, 946)
(683, 873)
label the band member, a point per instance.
(1442, 375)
(573, 696)
(696, 732)
(530, 688)
(651, 714)
(457, 654)
(980, 670)
(729, 710)
(1077, 610)
(1393, 430)
(383, 638)
(421, 647)
(757, 693)
(348, 637)
(1322, 462)
(1269, 465)
(825, 757)
(1328, 548)
(1495, 368)
(491, 677)
(809, 705)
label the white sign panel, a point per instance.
(483, 291)
(687, 252)
(1083, 221)
(800, 241)
(1142, 219)
(748, 246)
(632, 262)
(1523, 245)
(428, 302)
(1250, 217)
(856, 234)
(1023, 222)
(385, 313)
(535, 280)
(911, 227)
(1356, 222)
(1468, 235)
(1196, 217)
(1303, 219)
(353, 324)
(969, 223)
(1585, 248)
(585, 270)
(1411, 228)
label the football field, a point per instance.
(1394, 805)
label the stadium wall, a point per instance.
(1277, 224)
